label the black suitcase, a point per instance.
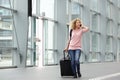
(65, 66)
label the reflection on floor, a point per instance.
(90, 71)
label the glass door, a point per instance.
(42, 43)
(31, 52)
(50, 55)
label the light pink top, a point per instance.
(75, 42)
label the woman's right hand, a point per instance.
(66, 50)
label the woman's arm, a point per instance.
(66, 49)
(85, 29)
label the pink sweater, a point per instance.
(75, 42)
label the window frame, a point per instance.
(108, 11)
(96, 32)
(93, 6)
(75, 3)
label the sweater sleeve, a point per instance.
(85, 29)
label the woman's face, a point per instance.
(78, 24)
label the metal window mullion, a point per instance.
(111, 43)
(99, 28)
(90, 32)
(8, 9)
(98, 42)
(110, 28)
(70, 10)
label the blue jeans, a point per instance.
(75, 57)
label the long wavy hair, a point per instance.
(73, 23)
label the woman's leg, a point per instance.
(77, 62)
(72, 56)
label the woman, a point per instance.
(74, 45)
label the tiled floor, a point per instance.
(89, 72)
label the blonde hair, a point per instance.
(73, 23)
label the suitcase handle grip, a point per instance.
(65, 56)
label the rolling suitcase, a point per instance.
(65, 66)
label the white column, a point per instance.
(21, 28)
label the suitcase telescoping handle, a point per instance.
(63, 54)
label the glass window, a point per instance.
(95, 36)
(95, 41)
(109, 27)
(109, 56)
(118, 33)
(119, 56)
(5, 3)
(6, 29)
(31, 52)
(0, 2)
(44, 30)
(6, 37)
(109, 44)
(6, 33)
(94, 57)
(67, 7)
(94, 22)
(79, 1)
(35, 42)
(119, 3)
(5, 58)
(33, 6)
(49, 9)
(108, 7)
(49, 34)
(6, 42)
(115, 2)
(94, 4)
(5, 13)
(75, 8)
(119, 46)
(82, 57)
(76, 0)
(50, 52)
(119, 16)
